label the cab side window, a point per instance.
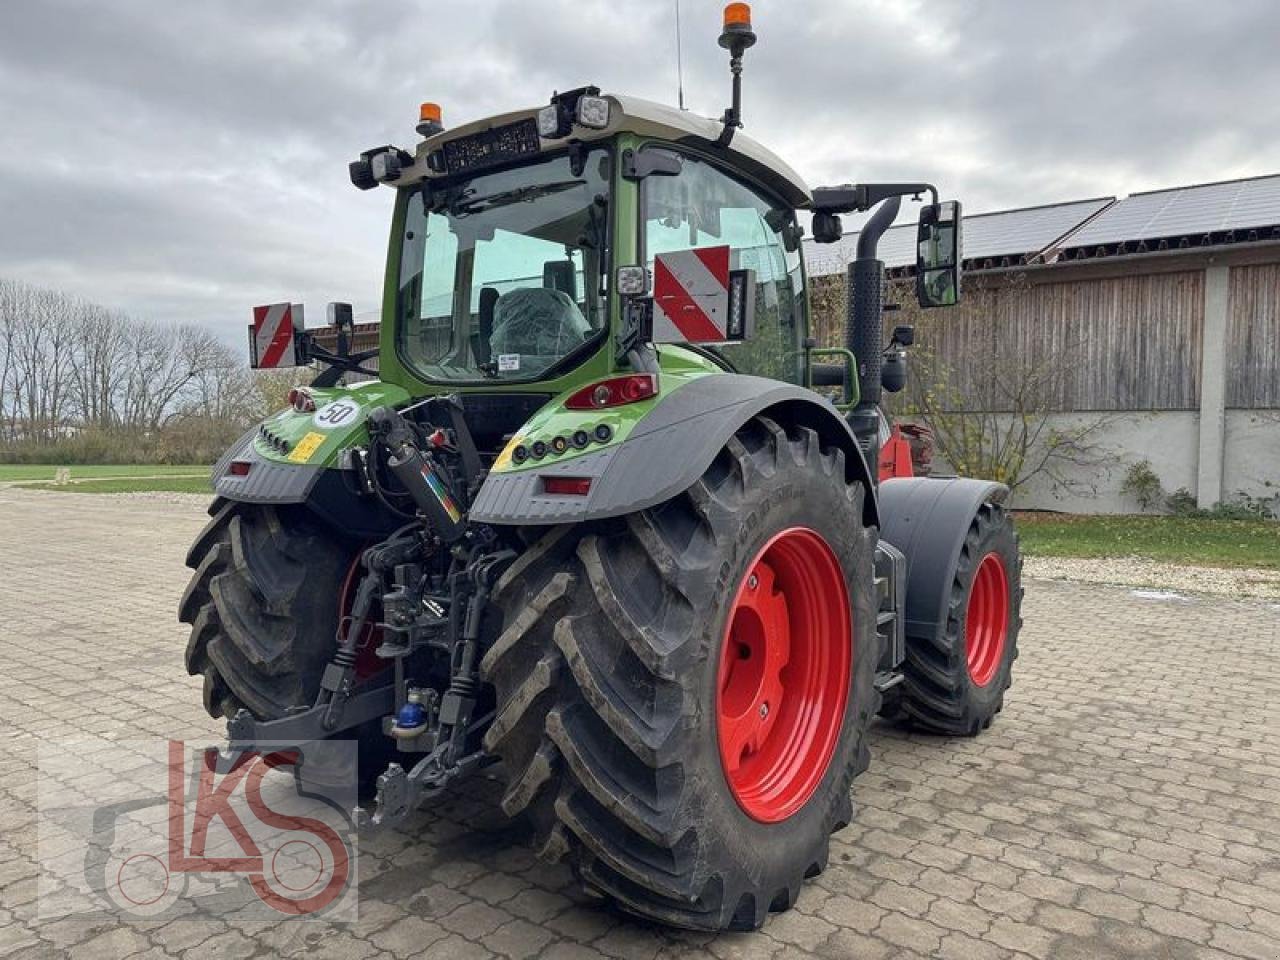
(705, 207)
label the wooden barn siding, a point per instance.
(1133, 341)
(1253, 337)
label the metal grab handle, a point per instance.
(850, 377)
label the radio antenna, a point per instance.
(679, 60)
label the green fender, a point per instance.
(296, 457)
(665, 453)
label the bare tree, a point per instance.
(39, 350)
(160, 362)
(100, 383)
(223, 389)
(8, 375)
(97, 364)
(990, 402)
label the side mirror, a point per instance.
(938, 255)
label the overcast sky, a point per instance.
(188, 160)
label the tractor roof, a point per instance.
(645, 118)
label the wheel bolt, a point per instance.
(764, 710)
(752, 582)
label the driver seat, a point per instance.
(536, 321)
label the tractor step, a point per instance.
(887, 680)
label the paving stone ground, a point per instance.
(1125, 804)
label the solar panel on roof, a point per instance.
(1196, 210)
(1015, 233)
(1006, 233)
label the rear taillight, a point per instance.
(239, 468)
(300, 399)
(567, 486)
(615, 392)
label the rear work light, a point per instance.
(567, 486)
(615, 392)
(593, 112)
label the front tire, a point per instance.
(617, 702)
(955, 683)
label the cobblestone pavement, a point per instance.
(1126, 803)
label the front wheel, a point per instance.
(955, 682)
(683, 694)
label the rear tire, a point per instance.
(607, 674)
(955, 684)
(263, 607)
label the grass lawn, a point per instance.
(175, 484)
(1188, 540)
(110, 478)
(42, 471)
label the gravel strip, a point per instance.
(200, 500)
(1137, 572)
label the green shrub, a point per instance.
(190, 440)
(1181, 503)
(1245, 507)
(1142, 483)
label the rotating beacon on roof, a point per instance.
(593, 520)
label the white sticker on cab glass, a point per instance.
(508, 362)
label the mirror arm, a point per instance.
(863, 196)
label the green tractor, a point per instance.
(592, 523)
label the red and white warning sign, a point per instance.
(273, 335)
(691, 296)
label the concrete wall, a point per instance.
(1171, 442)
(1252, 454)
(1182, 358)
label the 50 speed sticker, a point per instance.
(336, 413)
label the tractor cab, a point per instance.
(531, 244)
(603, 234)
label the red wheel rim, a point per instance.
(986, 620)
(367, 660)
(783, 676)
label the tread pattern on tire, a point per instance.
(591, 672)
(258, 634)
(935, 688)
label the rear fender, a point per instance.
(298, 457)
(927, 519)
(666, 452)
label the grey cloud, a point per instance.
(188, 160)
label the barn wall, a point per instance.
(1253, 336)
(1124, 343)
(1130, 334)
(1168, 440)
